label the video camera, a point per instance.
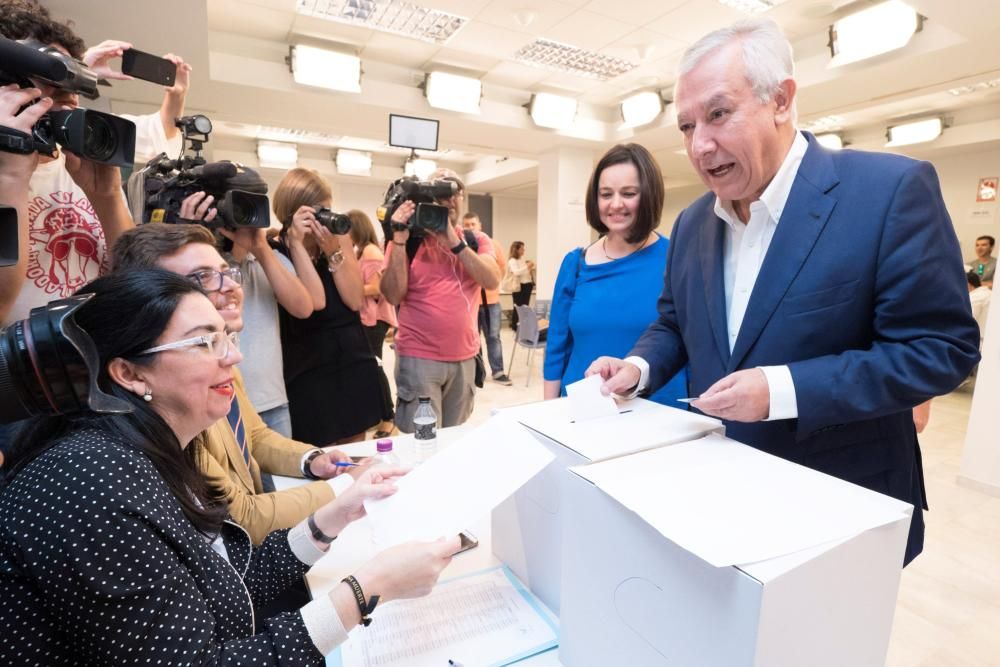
(96, 136)
(49, 365)
(429, 216)
(163, 185)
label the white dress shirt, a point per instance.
(745, 247)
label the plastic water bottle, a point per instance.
(425, 430)
(385, 454)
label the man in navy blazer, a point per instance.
(817, 296)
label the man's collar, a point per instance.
(776, 193)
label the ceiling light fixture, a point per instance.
(975, 87)
(830, 140)
(353, 163)
(917, 132)
(453, 92)
(321, 68)
(419, 167)
(873, 31)
(400, 18)
(566, 58)
(555, 111)
(641, 108)
(752, 6)
(277, 155)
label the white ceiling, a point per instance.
(242, 82)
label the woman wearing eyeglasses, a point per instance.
(330, 372)
(113, 548)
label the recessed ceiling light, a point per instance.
(873, 31)
(566, 58)
(453, 92)
(400, 18)
(752, 6)
(277, 155)
(555, 111)
(296, 136)
(917, 132)
(322, 68)
(975, 87)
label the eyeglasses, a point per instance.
(218, 344)
(206, 278)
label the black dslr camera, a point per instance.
(163, 185)
(429, 216)
(96, 136)
(337, 223)
(49, 365)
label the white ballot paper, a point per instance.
(458, 485)
(730, 504)
(486, 619)
(586, 400)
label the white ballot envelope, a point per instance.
(587, 402)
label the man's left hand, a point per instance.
(183, 78)
(324, 466)
(743, 396)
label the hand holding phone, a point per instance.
(148, 67)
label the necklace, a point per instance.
(604, 248)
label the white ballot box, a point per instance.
(527, 527)
(714, 554)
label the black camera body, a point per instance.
(429, 216)
(96, 136)
(337, 223)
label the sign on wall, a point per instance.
(987, 190)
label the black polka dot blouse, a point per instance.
(99, 566)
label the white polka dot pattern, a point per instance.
(98, 565)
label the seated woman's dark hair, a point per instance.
(127, 314)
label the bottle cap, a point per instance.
(383, 446)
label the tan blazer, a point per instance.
(221, 461)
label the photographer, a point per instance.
(76, 209)
(438, 294)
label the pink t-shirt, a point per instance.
(375, 308)
(439, 316)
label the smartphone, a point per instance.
(469, 541)
(148, 67)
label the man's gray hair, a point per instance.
(767, 55)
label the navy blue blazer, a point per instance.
(862, 294)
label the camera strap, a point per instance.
(16, 141)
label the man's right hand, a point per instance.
(620, 377)
(402, 216)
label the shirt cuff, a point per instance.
(643, 366)
(302, 544)
(340, 483)
(782, 390)
(323, 624)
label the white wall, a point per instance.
(960, 176)
(515, 219)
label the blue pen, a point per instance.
(344, 464)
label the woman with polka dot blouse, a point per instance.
(114, 551)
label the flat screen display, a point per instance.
(411, 132)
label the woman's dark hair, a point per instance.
(515, 247)
(362, 230)
(650, 190)
(128, 312)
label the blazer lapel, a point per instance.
(805, 214)
(712, 267)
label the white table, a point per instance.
(354, 545)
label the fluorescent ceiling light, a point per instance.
(326, 69)
(277, 155)
(419, 167)
(453, 92)
(916, 132)
(824, 124)
(555, 111)
(975, 87)
(830, 140)
(354, 163)
(399, 18)
(641, 108)
(752, 6)
(566, 58)
(872, 31)
(295, 135)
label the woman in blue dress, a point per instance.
(606, 294)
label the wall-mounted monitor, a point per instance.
(416, 133)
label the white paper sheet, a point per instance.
(730, 504)
(458, 485)
(639, 425)
(587, 402)
(482, 619)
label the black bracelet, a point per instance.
(310, 457)
(366, 608)
(318, 534)
(462, 245)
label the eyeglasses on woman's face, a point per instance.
(211, 280)
(218, 344)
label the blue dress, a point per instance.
(610, 307)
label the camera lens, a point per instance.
(244, 212)
(99, 141)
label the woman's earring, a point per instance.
(147, 395)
